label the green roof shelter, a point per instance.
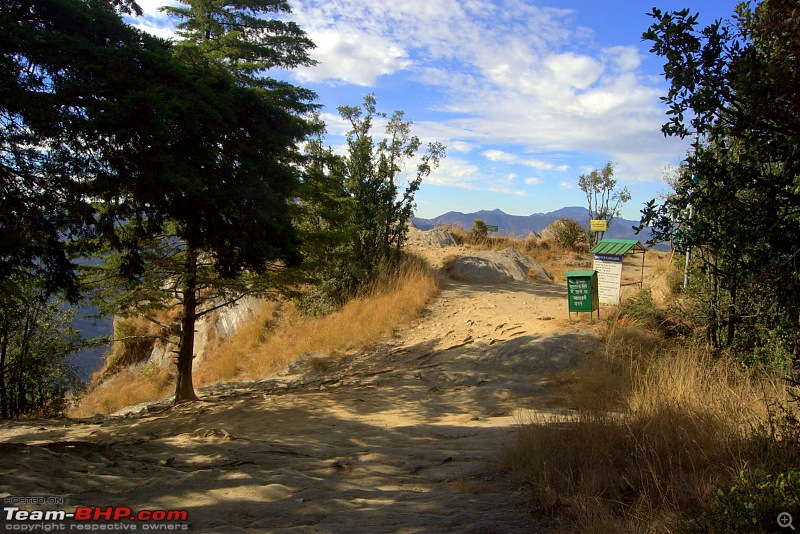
(608, 256)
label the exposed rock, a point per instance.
(217, 325)
(499, 267)
(436, 238)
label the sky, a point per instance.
(527, 95)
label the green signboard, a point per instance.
(582, 293)
(491, 228)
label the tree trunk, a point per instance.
(184, 389)
(3, 393)
(732, 315)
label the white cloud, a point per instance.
(543, 165)
(566, 185)
(455, 172)
(460, 146)
(508, 191)
(534, 181)
(573, 71)
(507, 157)
(503, 72)
(499, 155)
(353, 58)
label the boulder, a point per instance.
(499, 267)
(435, 238)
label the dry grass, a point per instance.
(126, 388)
(137, 342)
(657, 428)
(279, 333)
(116, 385)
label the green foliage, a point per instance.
(479, 232)
(355, 207)
(754, 502)
(570, 235)
(36, 340)
(600, 189)
(735, 86)
(246, 38)
(643, 309)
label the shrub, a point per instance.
(570, 235)
(754, 502)
(479, 232)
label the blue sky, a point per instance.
(527, 95)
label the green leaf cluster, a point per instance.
(754, 502)
(36, 339)
(734, 88)
(362, 201)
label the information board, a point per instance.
(579, 294)
(609, 277)
(598, 225)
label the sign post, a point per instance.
(492, 228)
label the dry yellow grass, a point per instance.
(126, 388)
(279, 333)
(657, 428)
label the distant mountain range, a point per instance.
(521, 226)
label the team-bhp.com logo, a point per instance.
(92, 518)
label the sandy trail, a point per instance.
(401, 438)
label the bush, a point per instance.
(642, 308)
(479, 232)
(754, 502)
(570, 235)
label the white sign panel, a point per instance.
(609, 277)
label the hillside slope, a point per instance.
(401, 437)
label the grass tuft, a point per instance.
(648, 453)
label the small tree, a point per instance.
(478, 233)
(364, 185)
(570, 234)
(36, 339)
(372, 174)
(603, 201)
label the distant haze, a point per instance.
(521, 225)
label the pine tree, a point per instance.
(230, 213)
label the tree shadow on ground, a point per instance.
(404, 441)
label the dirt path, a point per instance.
(402, 438)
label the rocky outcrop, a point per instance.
(217, 325)
(436, 238)
(498, 267)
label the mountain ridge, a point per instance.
(522, 225)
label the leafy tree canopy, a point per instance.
(734, 87)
